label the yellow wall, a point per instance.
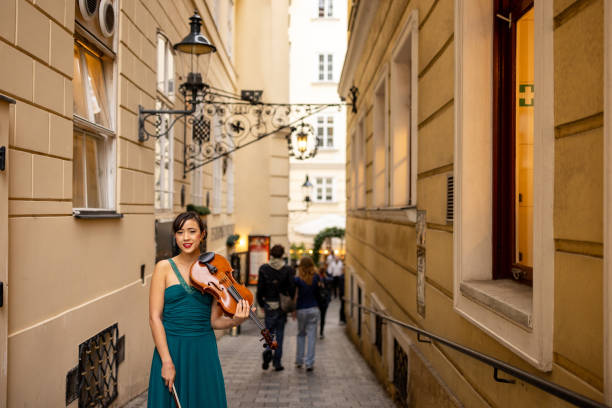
(381, 245)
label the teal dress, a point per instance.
(193, 348)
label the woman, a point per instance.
(307, 283)
(182, 321)
(323, 297)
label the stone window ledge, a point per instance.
(505, 297)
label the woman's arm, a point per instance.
(219, 321)
(156, 308)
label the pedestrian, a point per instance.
(335, 269)
(275, 277)
(307, 283)
(182, 320)
(323, 297)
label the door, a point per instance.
(4, 191)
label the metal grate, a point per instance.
(400, 374)
(378, 342)
(201, 130)
(450, 198)
(98, 364)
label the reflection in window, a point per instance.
(524, 141)
(163, 164)
(165, 66)
(91, 172)
(326, 8)
(90, 86)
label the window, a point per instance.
(325, 131)
(163, 163)
(358, 166)
(229, 173)
(513, 143)
(325, 67)
(93, 176)
(403, 117)
(381, 144)
(519, 316)
(165, 66)
(324, 189)
(326, 8)
(217, 172)
(197, 188)
(230, 29)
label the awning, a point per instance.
(313, 227)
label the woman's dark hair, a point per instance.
(277, 251)
(182, 218)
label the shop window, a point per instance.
(381, 144)
(93, 175)
(513, 141)
(164, 147)
(197, 187)
(403, 117)
(165, 66)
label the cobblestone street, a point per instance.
(340, 378)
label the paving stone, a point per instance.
(341, 377)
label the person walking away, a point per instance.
(274, 278)
(307, 311)
(324, 297)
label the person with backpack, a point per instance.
(323, 297)
(275, 282)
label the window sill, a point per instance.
(332, 82)
(505, 297)
(96, 214)
(332, 18)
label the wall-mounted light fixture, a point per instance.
(223, 122)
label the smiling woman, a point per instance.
(182, 321)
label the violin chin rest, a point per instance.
(206, 257)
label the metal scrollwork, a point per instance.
(222, 123)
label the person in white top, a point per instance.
(335, 269)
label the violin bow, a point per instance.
(176, 398)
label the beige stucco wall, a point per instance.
(381, 247)
(71, 278)
(262, 169)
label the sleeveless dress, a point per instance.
(193, 348)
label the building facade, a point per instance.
(318, 44)
(85, 206)
(478, 195)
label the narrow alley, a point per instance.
(341, 378)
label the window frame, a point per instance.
(163, 87)
(159, 104)
(504, 140)
(110, 66)
(328, 67)
(408, 37)
(327, 6)
(382, 86)
(323, 187)
(472, 228)
(326, 136)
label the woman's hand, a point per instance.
(168, 373)
(242, 312)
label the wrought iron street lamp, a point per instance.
(306, 192)
(223, 122)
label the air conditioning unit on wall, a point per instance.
(98, 19)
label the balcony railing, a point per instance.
(423, 336)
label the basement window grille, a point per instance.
(378, 340)
(450, 198)
(400, 374)
(99, 358)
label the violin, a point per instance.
(212, 273)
